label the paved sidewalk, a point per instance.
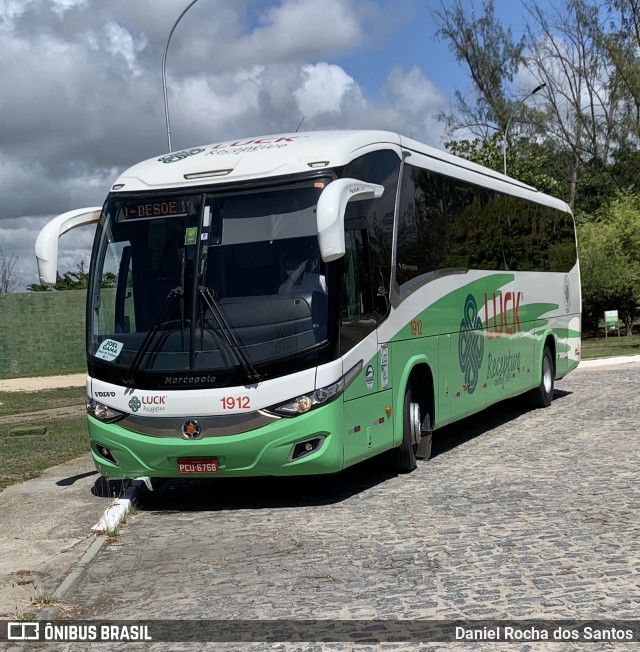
(42, 382)
(46, 528)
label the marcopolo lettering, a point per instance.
(188, 380)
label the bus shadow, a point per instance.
(465, 430)
(265, 492)
(221, 494)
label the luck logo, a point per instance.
(179, 156)
(471, 344)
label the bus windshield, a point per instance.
(224, 282)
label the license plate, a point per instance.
(198, 465)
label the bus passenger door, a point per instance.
(368, 427)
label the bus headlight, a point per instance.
(103, 412)
(306, 402)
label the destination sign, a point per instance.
(140, 208)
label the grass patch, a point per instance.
(20, 402)
(26, 457)
(42, 600)
(600, 347)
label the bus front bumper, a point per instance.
(264, 451)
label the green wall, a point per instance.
(42, 332)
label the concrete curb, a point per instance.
(51, 613)
(116, 512)
(603, 362)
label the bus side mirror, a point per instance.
(47, 241)
(330, 213)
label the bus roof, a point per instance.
(282, 154)
(251, 158)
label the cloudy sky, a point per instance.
(82, 94)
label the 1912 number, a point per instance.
(235, 402)
(416, 327)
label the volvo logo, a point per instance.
(191, 429)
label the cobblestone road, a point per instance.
(520, 514)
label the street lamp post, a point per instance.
(506, 129)
(164, 71)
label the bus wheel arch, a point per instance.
(416, 420)
(550, 343)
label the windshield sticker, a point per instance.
(191, 235)
(369, 376)
(180, 156)
(109, 350)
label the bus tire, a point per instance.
(404, 459)
(542, 395)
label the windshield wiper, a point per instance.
(151, 333)
(229, 335)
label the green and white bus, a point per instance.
(296, 303)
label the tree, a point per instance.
(621, 42)
(529, 161)
(609, 261)
(77, 280)
(567, 52)
(492, 58)
(8, 275)
(587, 117)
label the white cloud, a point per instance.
(120, 42)
(323, 89)
(17, 237)
(413, 92)
(83, 98)
(10, 10)
(299, 30)
(415, 101)
(61, 7)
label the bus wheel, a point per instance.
(404, 457)
(542, 395)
